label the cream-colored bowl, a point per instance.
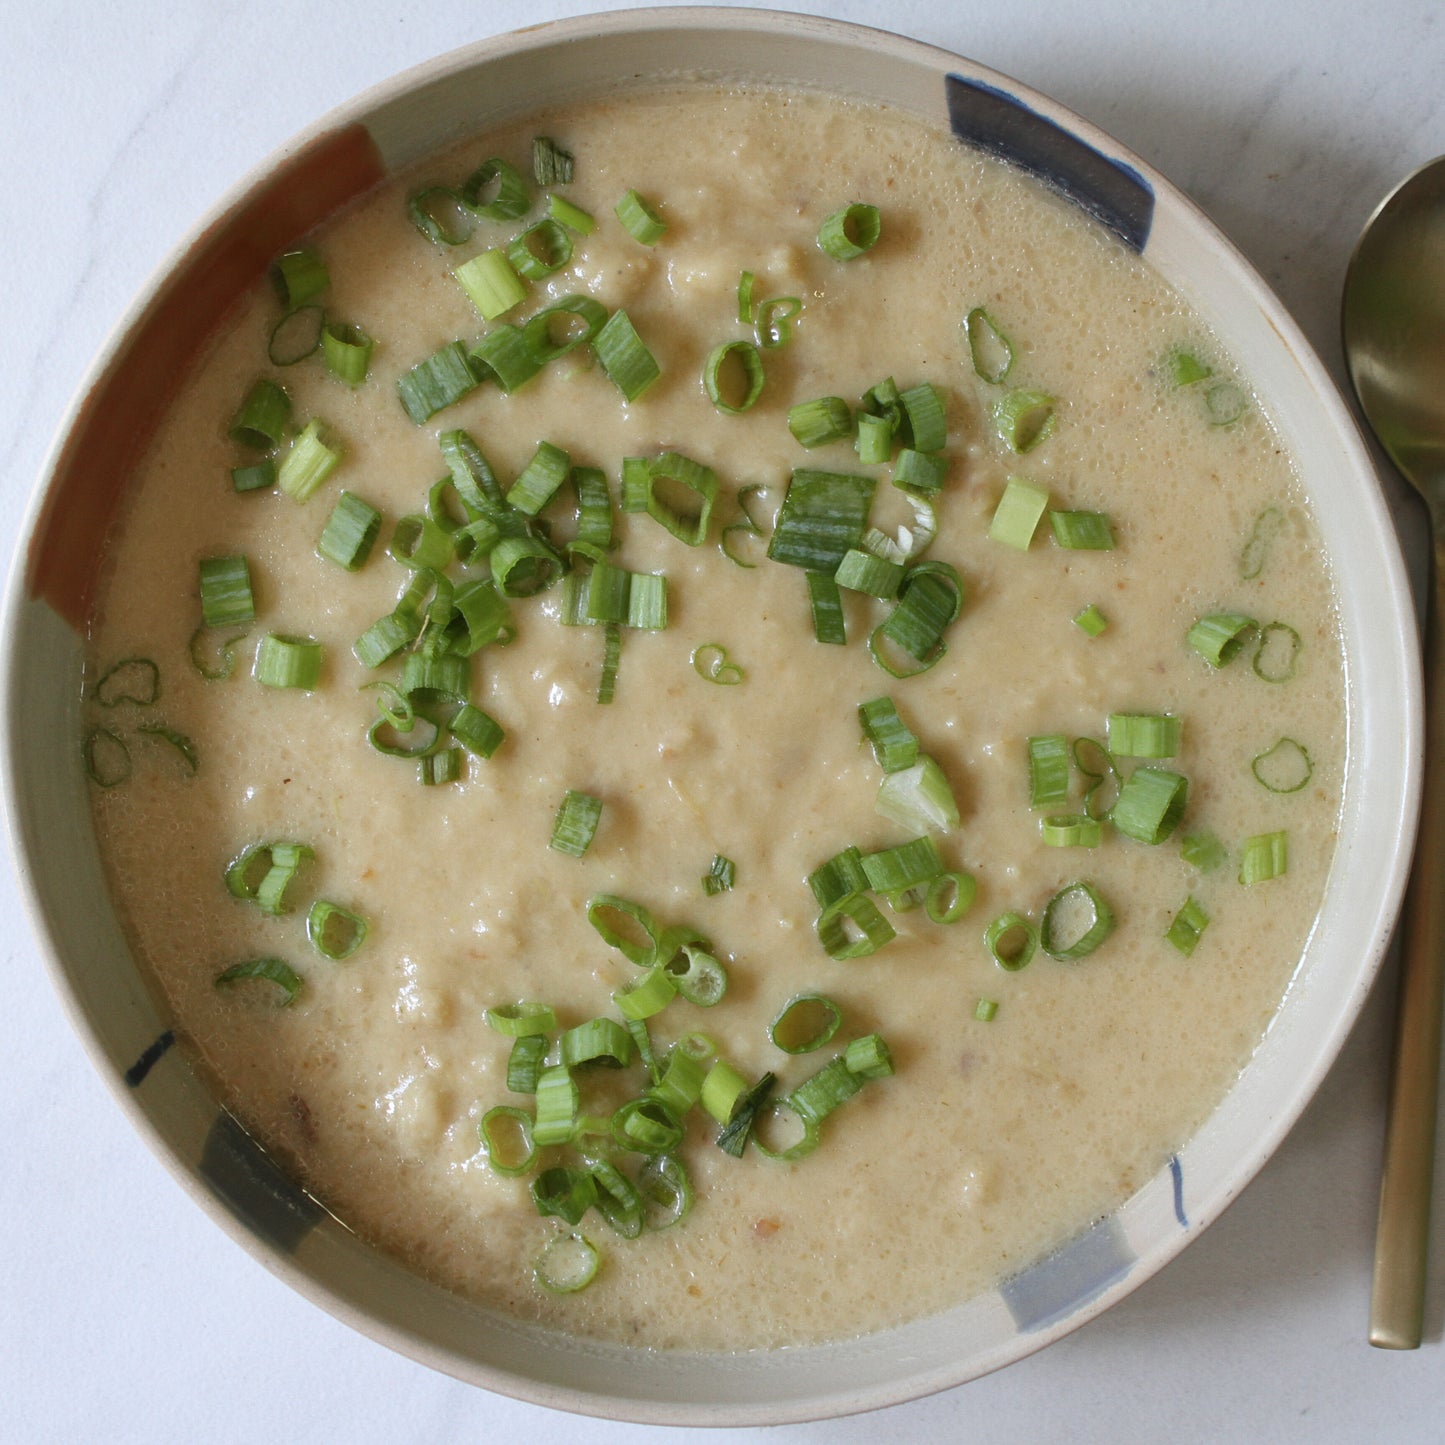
(49, 816)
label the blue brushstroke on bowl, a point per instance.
(154, 1052)
(246, 1180)
(1001, 124)
(1176, 1171)
(1081, 1271)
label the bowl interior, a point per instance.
(49, 811)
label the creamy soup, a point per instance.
(1023, 1102)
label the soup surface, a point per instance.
(1025, 1102)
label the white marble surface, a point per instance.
(125, 1315)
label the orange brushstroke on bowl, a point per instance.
(115, 422)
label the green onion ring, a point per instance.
(1100, 926)
(710, 662)
(1002, 929)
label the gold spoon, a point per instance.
(1394, 334)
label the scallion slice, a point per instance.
(262, 419)
(873, 441)
(1264, 856)
(623, 356)
(949, 897)
(1202, 851)
(850, 231)
(1017, 515)
(806, 1022)
(350, 532)
(1082, 531)
(272, 970)
(335, 932)
(647, 995)
(700, 978)
(733, 376)
(568, 1263)
(478, 732)
(916, 471)
(839, 877)
(639, 219)
(226, 598)
(1224, 403)
(524, 566)
(526, 1062)
(1024, 418)
(774, 321)
(436, 382)
(576, 823)
(1283, 768)
(1011, 941)
(989, 349)
(919, 798)
(1220, 636)
(985, 1010)
(492, 286)
(573, 217)
(508, 356)
(1183, 367)
(1091, 621)
(861, 571)
(711, 661)
(1254, 557)
(666, 1192)
(496, 191)
(135, 680)
(818, 1095)
(563, 326)
(646, 1126)
(720, 876)
(905, 865)
(283, 661)
(557, 1099)
(525, 1019)
(1188, 926)
(723, 1089)
(310, 461)
(598, 1041)
(1048, 770)
(820, 421)
(259, 477)
(1070, 830)
(868, 1057)
(1093, 760)
(295, 336)
(563, 1191)
(626, 926)
(1066, 935)
(179, 741)
(733, 1139)
(826, 603)
(540, 250)
(1277, 660)
(506, 1137)
(678, 493)
(298, 276)
(1143, 735)
(783, 1132)
(893, 743)
(852, 926)
(927, 422)
(441, 215)
(823, 516)
(1150, 804)
(540, 480)
(347, 350)
(107, 759)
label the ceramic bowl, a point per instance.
(52, 587)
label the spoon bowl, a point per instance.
(1393, 321)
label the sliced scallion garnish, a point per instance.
(270, 970)
(989, 349)
(720, 876)
(1188, 925)
(563, 1191)
(919, 797)
(350, 532)
(107, 759)
(347, 350)
(576, 823)
(573, 217)
(1011, 941)
(506, 1137)
(298, 276)
(640, 219)
(1143, 735)
(295, 336)
(1255, 556)
(491, 284)
(1219, 637)
(540, 250)
(1150, 804)
(335, 932)
(1048, 770)
(1202, 851)
(1024, 418)
(1276, 658)
(1082, 531)
(949, 897)
(711, 661)
(823, 516)
(820, 421)
(826, 604)
(806, 1022)
(310, 461)
(226, 597)
(1264, 856)
(1091, 621)
(284, 661)
(441, 215)
(850, 231)
(852, 927)
(135, 680)
(496, 191)
(436, 382)
(893, 743)
(624, 357)
(733, 376)
(1283, 768)
(1017, 515)
(179, 741)
(1070, 830)
(1066, 935)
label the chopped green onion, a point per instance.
(720, 876)
(647, 601)
(524, 1019)
(1202, 851)
(576, 823)
(523, 566)
(1267, 527)
(1283, 768)
(563, 326)
(916, 471)
(551, 165)
(1184, 368)
(639, 219)
(746, 309)
(894, 745)
(383, 639)
(1048, 770)
(918, 797)
(506, 1136)
(226, 598)
(820, 421)
(1219, 637)
(1225, 403)
(904, 866)
(868, 1058)
(826, 603)
(611, 916)
(1277, 661)
(1017, 514)
(310, 461)
(526, 1062)
(262, 419)
(298, 276)
(441, 215)
(1023, 419)
(647, 995)
(272, 970)
(645, 1125)
(1062, 923)
(131, 680)
(286, 860)
(492, 286)
(943, 909)
(927, 423)
(417, 542)
(817, 1096)
(1091, 621)
(874, 442)
(1263, 857)
(335, 932)
(598, 1041)
(283, 661)
(666, 1192)
(179, 741)
(806, 1022)
(107, 759)
(507, 354)
(681, 1083)
(774, 320)
(783, 1132)
(722, 1091)
(989, 349)
(563, 1191)
(539, 251)
(1092, 759)
(823, 516)
(841, 876)
(985, 1010)
(432, 675)
(540, 480)
(852, 927)
(626, 360)
(733, 376)
(573, 217)
(295, 336)
(733, 1139)
(556, 1106)
(1082, 531)
(350, 532)
(504, 183)
(1189, 924)
(1150, 804)
(259, 477)
(700, 978)
(850, 231)
(711, 661)
(1011, 941)
(861, 571)
(567, 1264)
(423, 742)
(1070, 830)
(1143, 735)
(618, 1201)
(676, 492)
(347, 350)
(443, 378)
(478, 732)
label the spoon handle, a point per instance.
(1397, 1301)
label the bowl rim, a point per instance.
(505, 48)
